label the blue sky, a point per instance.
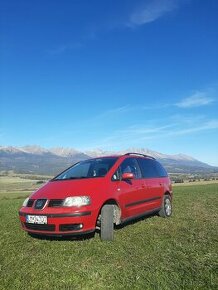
(110, 74)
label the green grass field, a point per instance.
(153, 253)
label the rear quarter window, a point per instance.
(160, 170)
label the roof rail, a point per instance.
(140, 154)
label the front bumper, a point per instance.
(67, 223)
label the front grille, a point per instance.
(30, 203)
(40, 203)
(51, 203)
(55, 202)
(70, 227)
(43, 227)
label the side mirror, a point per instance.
(127, 176)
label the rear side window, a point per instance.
(151, 168)
(148, 167)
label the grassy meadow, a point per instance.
(153, 253)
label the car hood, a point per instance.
(61, 189)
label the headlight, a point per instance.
(26, 201)
(77, 201)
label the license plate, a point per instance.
(36, 219)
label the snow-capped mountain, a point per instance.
(157, 155)
(36, 159)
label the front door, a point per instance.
(129, 192)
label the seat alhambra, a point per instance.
(97, 194)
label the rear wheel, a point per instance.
(107, 223)
(166, 209)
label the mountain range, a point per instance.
(39, 160)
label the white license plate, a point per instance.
(36, 219)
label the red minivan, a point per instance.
(98, 193)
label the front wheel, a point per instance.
(107, 223)
(166, 209)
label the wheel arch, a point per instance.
(168, 193)
(117, 209)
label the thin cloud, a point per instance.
(99, 120)
(138, 135)
(152, 11)
(133, 135)
(146, 13)
(64, 48)
(140, 130)
(196, 100)
(118, 110)
(89, 34)
(111, 113)
(209, 125)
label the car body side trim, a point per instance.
(144, 214)
(142, 201)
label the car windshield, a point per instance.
(88, 169)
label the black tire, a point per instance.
(107, 223)
(166, 209)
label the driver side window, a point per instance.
(129, 165)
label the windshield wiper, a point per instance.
(77, 177)
(73, 177)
